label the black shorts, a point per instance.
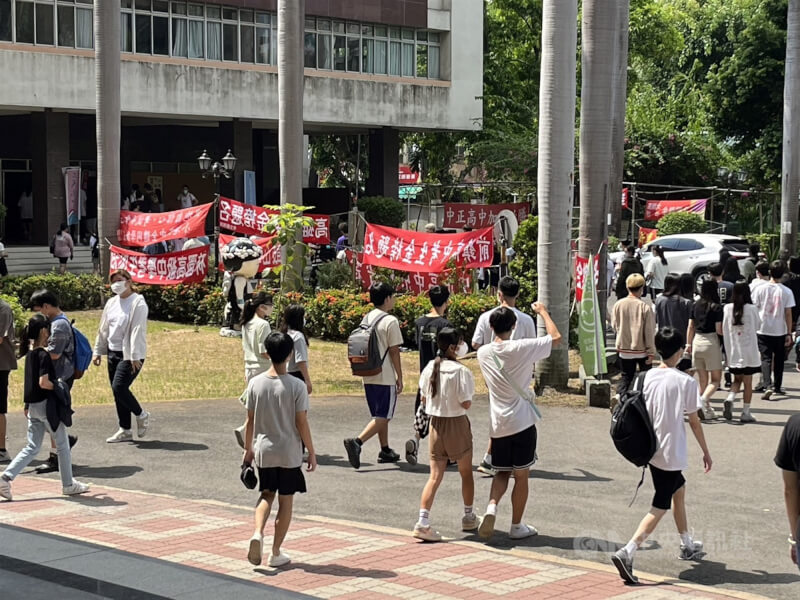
(284, 481)
(298, 375)
(63, 259)
(514, 452)
(744, 370)
(666, 484)
(3, 396)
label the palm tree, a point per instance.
(618, 107)
(291, 14)
(107, 120)
(597, 87)
(556, 173)
(791, 131)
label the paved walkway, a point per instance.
(332, 559)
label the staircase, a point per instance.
(27, 260)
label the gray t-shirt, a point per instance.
(61, 342)
(300, 353)
(275, 401)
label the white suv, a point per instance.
(693, 252)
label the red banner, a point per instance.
(581, 268)
(656, 209)
(416, 251)
(142, 229)
(647, 235)
(251, 220)
(189, 266)
(270, 258)
(408, 177)
(625, 197)
(459, 215)
(415, 283)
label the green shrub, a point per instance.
(198, 303)
(523, 266)
(20, 314)
(334, 275)
(681, 222)
(76, 292)
(379, 210)
(613, 243)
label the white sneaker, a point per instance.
(76, 488)
(5, 456)
(122, 435)
(708, 413)
(142, 423)
(426, 534)
(256, 549)
(5, 489)
(522, 531)
(279, 560)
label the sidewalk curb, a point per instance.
(527, 554)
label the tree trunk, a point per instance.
(618, 107)
(556, 175)
(108, 128)
(791, 131)
(597, 88)
(291, 15)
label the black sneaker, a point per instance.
(353, 452)
(388, 456)
(73, 439)
(624, 564)
(759, 389)
(779, 391)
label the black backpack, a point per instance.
(632, 430)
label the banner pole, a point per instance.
(216, 235)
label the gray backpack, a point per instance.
(362, 349)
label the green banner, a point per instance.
(590, 328)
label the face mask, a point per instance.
(461, 350)
(119, 287)
(185, 191)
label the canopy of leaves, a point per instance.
(681, 222)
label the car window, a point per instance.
(668, 245)
(689, 244)
(735, 245)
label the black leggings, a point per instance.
(122, 376)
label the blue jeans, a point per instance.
(37, 427)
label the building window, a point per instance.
(5, 21)
(24, 23)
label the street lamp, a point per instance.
(216, 169)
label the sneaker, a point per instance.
(779, 391)
(76, 488)
(522, 531)
(122, 435)
(5, 488)
(727, 408)
(747, 418)
(760, 388)
(426, 534)
(624, 564)
(52, 461)
(693, 552)
(278, 560)
(766, 395)
(353, 452)
(389, 456)
(708, 413)
(469, 522)
(239, 435)
(486, 468)
(5, 456)
(411, 451)
(73, 439)
(486, 528)
(142, 423)
(255, 549)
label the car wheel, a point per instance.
(700, 275)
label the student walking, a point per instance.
(669, 395)
(427, 328)
(276, 430)
(255, 329)
(672, 309)
(634, 324)
(657, 269)
(787, 459)
(447, 390)
(382, 389)
(122, 337)
(774, 302)
(62, 247)
(44, 409)
(630, 264)
(506, 367)
(740, 324)
(293, 325)
(702, 342)
(8, 363)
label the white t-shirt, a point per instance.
(508, 412)
(669, 395)
(254, 336)
(300, 353)
(525, 327)
(188, 200)
(25, 205)
(389, 335)
(456, 385)
(658, 271)
(756, 283)
(741, 341)
(118, 317)
(772, 300)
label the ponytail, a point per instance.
(437, 364)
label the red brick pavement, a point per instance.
(330, 559)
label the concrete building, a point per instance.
(199, 75)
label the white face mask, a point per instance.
(119, 287)
(461, 350)
(185, 191)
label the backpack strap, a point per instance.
(638, 386)
(374, 326)
(514, 385)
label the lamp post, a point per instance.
(728, 177)
(216, 169)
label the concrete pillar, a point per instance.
(50, 135)
(237, 136)
(384, 149)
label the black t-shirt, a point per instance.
(788, 455)
(37, 363)
(725, 289)
(706, 316)
(427, 329)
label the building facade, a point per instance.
(200, 75)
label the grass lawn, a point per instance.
(195, 363)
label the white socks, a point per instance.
(746, 410)
(686, 539)
(731, 397)
(424, 515)
(491, 509)
(631, 547)
(468, 510)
